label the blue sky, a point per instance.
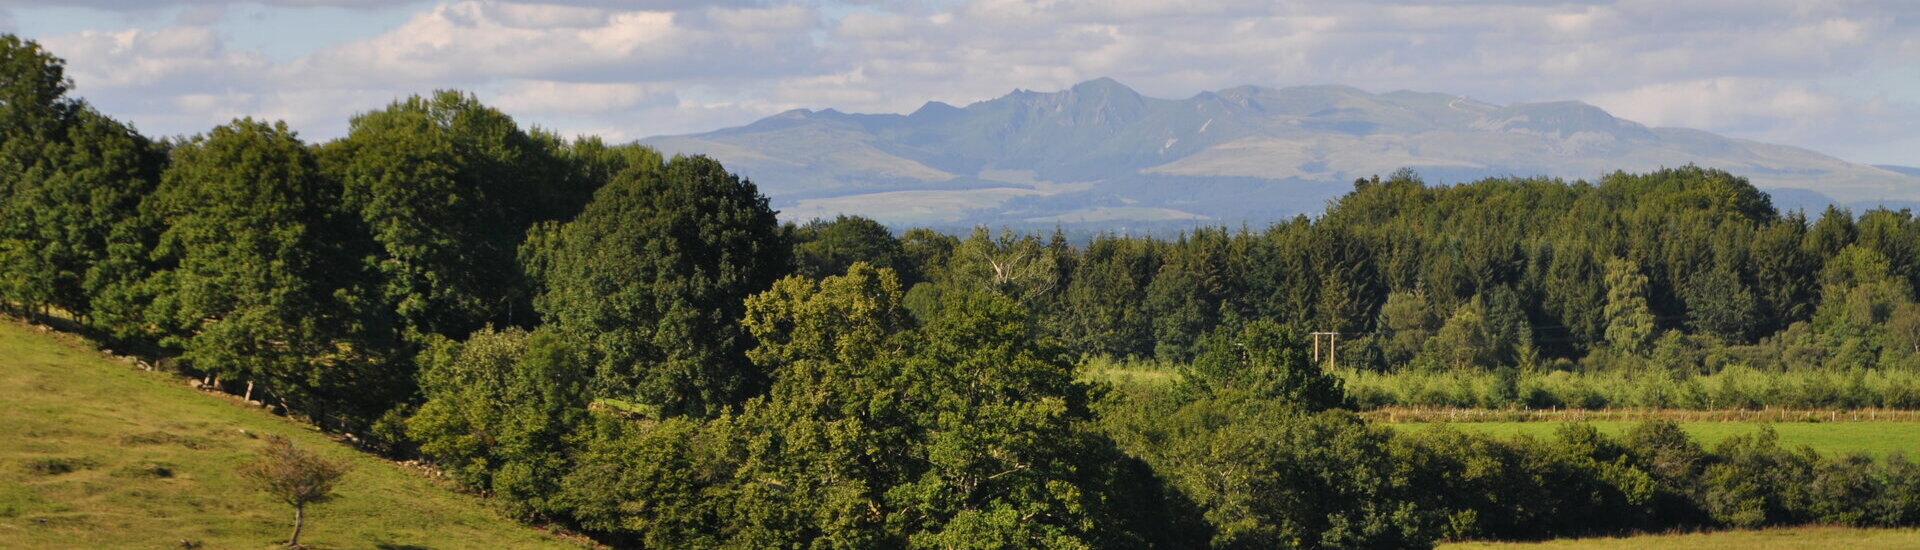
(1841, 77)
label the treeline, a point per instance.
(1254, 438)
(634, 347)
(1687, 269)
(313, 272)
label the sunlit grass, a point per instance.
(1799, 538)
(95, 453)
(1876, 438)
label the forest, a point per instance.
(636, 348)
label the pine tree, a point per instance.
(1630, 327)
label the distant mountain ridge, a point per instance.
(1101, 154)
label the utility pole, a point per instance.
(1333, 343)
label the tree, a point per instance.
(1266, 361)
(1267, 475)
(1630, 327)
(62, 217)
(1016, 266)
(1720, 304)
(1466, 340)
(928, 251)
(500, 411)
(650, 281)
(294, 476)
(1103, 309)
(1860, 292)
(448, 187)
(964, 432)
(1574, 291)
(252, 275)
(68, 175)
(1406, 322)
(824, 248)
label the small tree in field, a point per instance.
(294, 476)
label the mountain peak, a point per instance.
(1100, 150)
(1102, 85)
(1562, 118)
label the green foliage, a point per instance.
(650, 280)
(1016, 266)
(1756, 483)
(914, 392)
(823, 248)
(294, 476)
(1724, 387)
(1100, 311)
(445, 185)
(69, 179)
(1406, 322)
(1265, 361)
(1466, 341)
(251, 278)
(62, 216)
(962, 433)
(1268, 475)
(1630, 328)
(500, 412)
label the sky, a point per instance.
(1837, 76)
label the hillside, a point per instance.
(152, 465)
(1102, 154)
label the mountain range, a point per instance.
(1100, 155)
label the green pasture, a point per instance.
(95, 453)
(1801, 538)
(1876, 438)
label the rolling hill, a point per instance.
(1104, 155)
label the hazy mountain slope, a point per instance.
(1101, 153)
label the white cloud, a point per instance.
(473, 41)
(173, 59)
(1768, 69)
(1766, 110)
(546, 97)
(145, 5)
(1725, 102)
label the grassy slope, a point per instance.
(1803, 538)
(62, 403)
(1877, 438)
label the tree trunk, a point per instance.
(299, 515)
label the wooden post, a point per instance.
(1333, 345)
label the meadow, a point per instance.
(1831, 438)
(1800, 538)
(98, 453)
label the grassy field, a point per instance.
(1853, 431)
(97, 454)
(1803, 538)
(1876, 438)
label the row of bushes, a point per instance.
(1736, 387)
